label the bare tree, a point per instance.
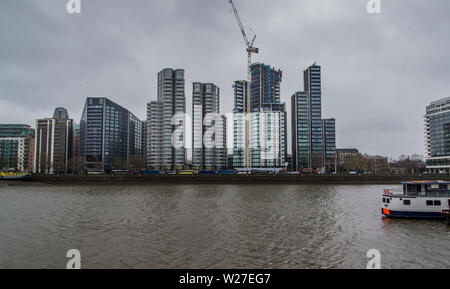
(353, 162)
(137, 162)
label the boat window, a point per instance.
(388, 201)
(429, 203)
(413, 188)
(407, 202)
(437, 203)
(384, 200)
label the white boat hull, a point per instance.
(414, 207)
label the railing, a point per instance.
(436, 194)
(429, 194)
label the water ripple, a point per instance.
(211, 226)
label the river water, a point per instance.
(211, 226)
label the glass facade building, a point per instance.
(313, 86)
(301, 141)
(265, 87)
(109, 135)
(437, 130)
(240, 107)
(16, 147)
(268, 120)
(313, 138)
(329, 143)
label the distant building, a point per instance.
(76, 156)
(375, 164)
(313, 86)
(144, 144)
(55, 143)
(353, 160)
(329, 143)
(16, 147)
(110, 136)
(344, 153)
(348, 159)
(240, 142)
(437, 131)
(290, 162)
(230, 159)
(166, 116)
(313, 138)
(268, 121)
(301, 138)
(265, 87)
(208, 125)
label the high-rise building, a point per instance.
(16, 147)
(154, 135)
(167, 121)
(265, 87)
(110, 135)
(301, 138)
(313, 86)
(268, 141)
(268, 121)
(144, 144)
(76, 156)
(240, 108)
(329, 143)
(313, 138)
(437, 131)
(209, 128)
(55, 143)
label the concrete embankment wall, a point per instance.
(230, 179)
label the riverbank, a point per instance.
(224, 179)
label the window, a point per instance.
(384, 200)
(437, 203)
(429, 203)
(407, 202)
(388, 201)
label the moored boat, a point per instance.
(419, 200)
(13, 176)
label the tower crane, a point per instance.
(250, 44)
(251, 49)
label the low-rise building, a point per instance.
(16, 147)
(375, 164)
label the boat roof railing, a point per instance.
(427, 183)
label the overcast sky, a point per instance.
(379, 71)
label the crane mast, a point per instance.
(249, 44)
(247, 106)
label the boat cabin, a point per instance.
(426, 188)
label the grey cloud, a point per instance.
(379, 71)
